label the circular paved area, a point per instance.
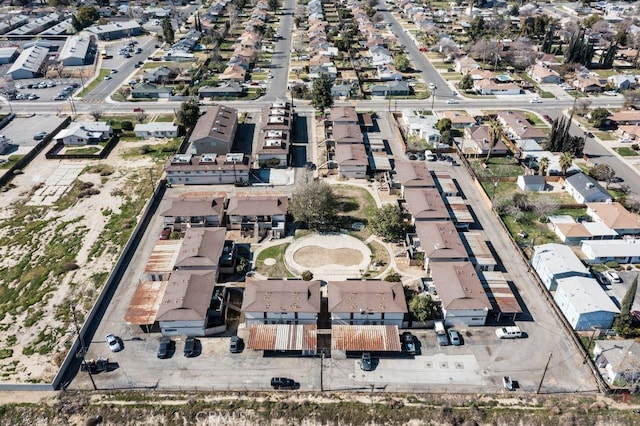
(329, 257)
(269, 261)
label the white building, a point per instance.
(422, 126)
(585, 189)
(84, 133)
(75, 50)
(603, 251)
(620, 360)
(553, 262)
(158, 129)
(8, 54)
(31, 63)
(584, 303)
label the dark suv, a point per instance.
(190, 347)
(283, 383)
(166, 348)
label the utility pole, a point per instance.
(321, 372)
(543, 373)
(80, 354)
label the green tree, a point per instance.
(466, 82)
(321, 92)
(422, 308)
(445, 137)
(621, 38)
(566, 160)
(273, 5)
(392, 277)
(599, 117)
(401, 62)
(315, 204)
(477, 28)
(387, 222)
(514, 10)
(167, 31)
(543, 166)
(623, 322)
(443, 125)
(495, 134)
(307, 275)
(188, 114)
(85, 16)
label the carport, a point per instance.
(145, 303)
(292, 338)
(504, 303)
(365, 338)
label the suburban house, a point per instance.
(229, 89)
(619, 360)
(392, 88)
(459, 119)
(150, 91)
(585, 189)
(517, 126)
(425, 204)
(341, 90)
(388, 72)
(493, 87)
(531, 183)
(258, 215)
(414, 175)
(553, 262)
(541, 74)
(207, 169)
(366, 303)
(465, 64)
(193, 209)
(477, 140)
(588, 84)
(615, 216)
(380, 56)
(281, 302)
(215, 131)
(273, 148)
(621, 81)
(422, 126)
(602, 251)
(630, 117)
(572, 233)
(352, 160)
(31, 63)
(84, 133)
(464, 300)
(156, 129)
(233, 73)
(184, 309)
(159, 74)
(584, 303)
(348, 134)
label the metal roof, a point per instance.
(479, 249)
(499, 292)
(163, 257)
(283, 337)
(145, 302)
(365, 338)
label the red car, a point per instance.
(138, 110)
(549, 119)
(166, 232)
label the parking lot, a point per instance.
(21, 131)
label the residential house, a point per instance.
(531, 183)
(156, 129)
(621, 81)
(630, 133)
(233, 73)
(459, 119)
(439, 241)
(620, 360)
(625, 251)
(615, 216)
(517, 126)
(476, 140)
(150, 91)
(273, 148)
(380, 56)
(159, 74)
(392, 88)
(464, 300)
(465, 64)
(352, 160)
(553, 262)
(207, 169)
(341, 90)
(588, 84)
(258, 215)
(202, 249)
(366, 303)
(492, 87)
(425, 204)
(341, 115)
(422, 126)
(585, 304)
(193, 209)
(388, 72)
(281, 302)
(184, 309)
(215, 131)
(572, 233)
(585, 189)
(84, 133)
(227, 89)
(544, 75)
(625, 117)
(413, 175)
(347, 134)
(327, 68)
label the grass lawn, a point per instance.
(13, 159)
(535, 119)
(89, 150)
(626, 152)
(99, 79)
(547, 95)
(274, 271)
(497, 166)
(605, 136)
(164, 118)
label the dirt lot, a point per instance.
(312, 256)
(55, 259)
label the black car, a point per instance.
(408, 342)
(190, 347)
(165, 350)
(235, 345)
(283, 383)
(366, 363)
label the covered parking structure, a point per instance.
(292, 338)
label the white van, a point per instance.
(509, 332)
(429, 155)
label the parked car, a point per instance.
(454, 336)
(114, 71)
(507, 383)
(408, 341)
(513, 332)
(190, 347)
(235, 345)
(166, 348)
(549, 119)
(452, 101)
(107, 77)
(612, 277)
(283, 383)
(441, 333)
(366, 363)
(166, 232)
(39, 136)
(536, 101)
(113, 342)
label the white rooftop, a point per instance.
(586, 295)
(559, 259)
(613, 248)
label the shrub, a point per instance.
(392, 277)
(612, 264)
(127, 125)
(307, 275)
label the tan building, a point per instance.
(366, 302)
(425, 204)
(258, 215)
(615, 216)
(352, 161)
(215, 131)
(193, 209)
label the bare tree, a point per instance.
(141, 117)
(582, 106)
(97, 115)
(544, 207)
(632, 202)
(124, 91)
(515, 212)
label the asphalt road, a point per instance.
(277, 86)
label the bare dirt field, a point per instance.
(312, 256)
(55, 257)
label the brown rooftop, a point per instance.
(218, 122)
(351, 155)
(426, 204)
(459, 286)
(194, 204)
(440, 240)
(201, 247)
(342, 114)
(282, 296)
(366, 296)
(145, 302)
(414, 174)
(188, 296)
(349, 133)
(257, 205)
(614, 215)
(380, 338)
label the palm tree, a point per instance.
(543, 166)
(495, 134)
(566, 160)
